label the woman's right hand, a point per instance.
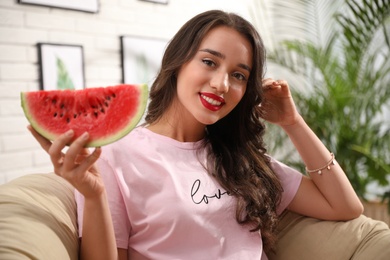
(77, 164)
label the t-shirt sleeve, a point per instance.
(117, 207)
(290, 179)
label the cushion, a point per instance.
(38, 219)
(304, 238)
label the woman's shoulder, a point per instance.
(127, 144)
(290, 179)
(281, 169)
(134, 136)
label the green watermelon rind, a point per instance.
(33, 123)
(143, 99)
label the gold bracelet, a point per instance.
(331, 162)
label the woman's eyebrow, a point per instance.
(222, 56)
(215, 53)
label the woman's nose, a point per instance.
(220, 82)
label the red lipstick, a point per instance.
(211, 101)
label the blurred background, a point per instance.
(335, 55)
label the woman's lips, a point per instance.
(211, 101)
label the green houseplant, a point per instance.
(344, 85)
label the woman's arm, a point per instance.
(328, 195)
(77, 166)
(98, 239)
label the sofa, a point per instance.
(38, 221)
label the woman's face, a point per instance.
(213, 82)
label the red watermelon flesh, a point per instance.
(106, 113)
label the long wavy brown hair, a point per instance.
(237, 154)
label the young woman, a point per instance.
(195, 181)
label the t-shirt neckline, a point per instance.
(170, 141)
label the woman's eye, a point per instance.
(239, 76)
(208, 62)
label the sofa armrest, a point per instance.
(38, 218)
(304, 238)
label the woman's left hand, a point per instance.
(278, 106)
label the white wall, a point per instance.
(22, 26)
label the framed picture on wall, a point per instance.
(157, 1)
(61, 66)
(91, 6)
(141, 59)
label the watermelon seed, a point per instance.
(61, 115)
(95, 114)
(106, 104)
(102, 110)
(75, 116)
(54, 101)
(62, 106)
(55, 114)
(113, 95)
(68, 120)
(108, 97)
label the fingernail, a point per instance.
(85, 136)
(69, 133)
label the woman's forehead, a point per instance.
(226, 40)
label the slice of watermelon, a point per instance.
(106, 113)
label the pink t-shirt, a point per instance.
(166, 206)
